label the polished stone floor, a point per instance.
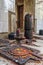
(4, 61)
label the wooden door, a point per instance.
(20, 16)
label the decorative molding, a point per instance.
(12, 12)
(20, 4)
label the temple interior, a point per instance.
(21, 32)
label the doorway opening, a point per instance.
(20, 16)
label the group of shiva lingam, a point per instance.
(28, 31)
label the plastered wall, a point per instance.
(29, 6)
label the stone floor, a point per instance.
(4, 61)
(39, 46)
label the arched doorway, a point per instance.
(20, 11)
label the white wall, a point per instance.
(3, 17)
(39, 16)
(5, 5)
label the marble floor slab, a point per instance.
(4, 61)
